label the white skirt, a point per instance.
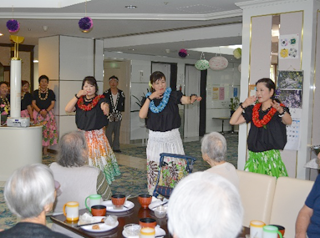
(161, 142)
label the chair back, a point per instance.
(290, 196)
(256, 192)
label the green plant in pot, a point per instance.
(234, 102)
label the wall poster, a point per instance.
(289, 46)
(289, 92)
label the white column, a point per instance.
(15, 88)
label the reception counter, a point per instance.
(19, 146)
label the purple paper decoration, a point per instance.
(13, 26)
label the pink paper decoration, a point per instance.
(218, 63)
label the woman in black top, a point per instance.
(267, 133)
(91, 110)
(26, 100)
(160, 107)
(43, 104)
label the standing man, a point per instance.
(115, 98)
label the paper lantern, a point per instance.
(218, 63)
(237, 53)
(202, 64)
(183, 53)
(239, 67)
(13, 26)
(85, 24)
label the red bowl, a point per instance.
(148, 222)
(98, 210)
(118, 199)
(144, 200)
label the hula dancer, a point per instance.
(91, 110)
(160, 107)
(267, 134)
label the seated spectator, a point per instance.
(213, 148)
(308, 221)
(77, 180)
(30, 193)
(205, 205)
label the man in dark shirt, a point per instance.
(116, 99)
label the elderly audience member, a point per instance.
(77, 179)
(213, 148)
(205, 205)
(308, 221)
(29, 193)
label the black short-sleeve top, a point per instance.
(169, 118)
(260, 139)
(44, 104)
(93, 119)
(26, 101)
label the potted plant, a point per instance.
(234, 102)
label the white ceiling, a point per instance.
(112, 20)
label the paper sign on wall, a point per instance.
(289, 46)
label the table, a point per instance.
(131, 216)
(222, 119)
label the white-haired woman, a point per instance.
(77, 180)
(205, 205)
(30, 193)
(213, 149)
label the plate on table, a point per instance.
(129, 205)
(156, 204)
(159, 232)
(102, 227)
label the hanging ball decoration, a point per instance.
(85, 24)
(239, 67)
(183, 53)
(218, 63)
(237, 53)
(202, 64)
(13, 26)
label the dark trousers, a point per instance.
(114, 128)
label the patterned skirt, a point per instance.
(49, 129)
(174, 169)
(101, 155)
(267, 162)
(24, 113)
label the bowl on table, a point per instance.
(118, 200)
(144, 200)
(147, 222)
(160, 211)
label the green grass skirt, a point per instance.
(267, 162)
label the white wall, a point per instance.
(228, 78)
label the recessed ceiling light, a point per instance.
(131, 7)
(1, 34)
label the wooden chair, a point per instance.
(256, 192)
(290, 195)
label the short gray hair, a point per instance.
(205, 205)
(215, 146)
(29, 189)
(72, 146)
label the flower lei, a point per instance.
(90, 105)
(163, 102)
(46, 96)
(5, 106)
(266, 119)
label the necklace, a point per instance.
(90, 105)
(88, 99)
(46, 96)
(163, 102)
(22, 96)
(266, 119)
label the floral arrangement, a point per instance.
(234, 102)
(85, 24)
(237, 53)
(13, 26)
(4, 109)
(183, 53)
